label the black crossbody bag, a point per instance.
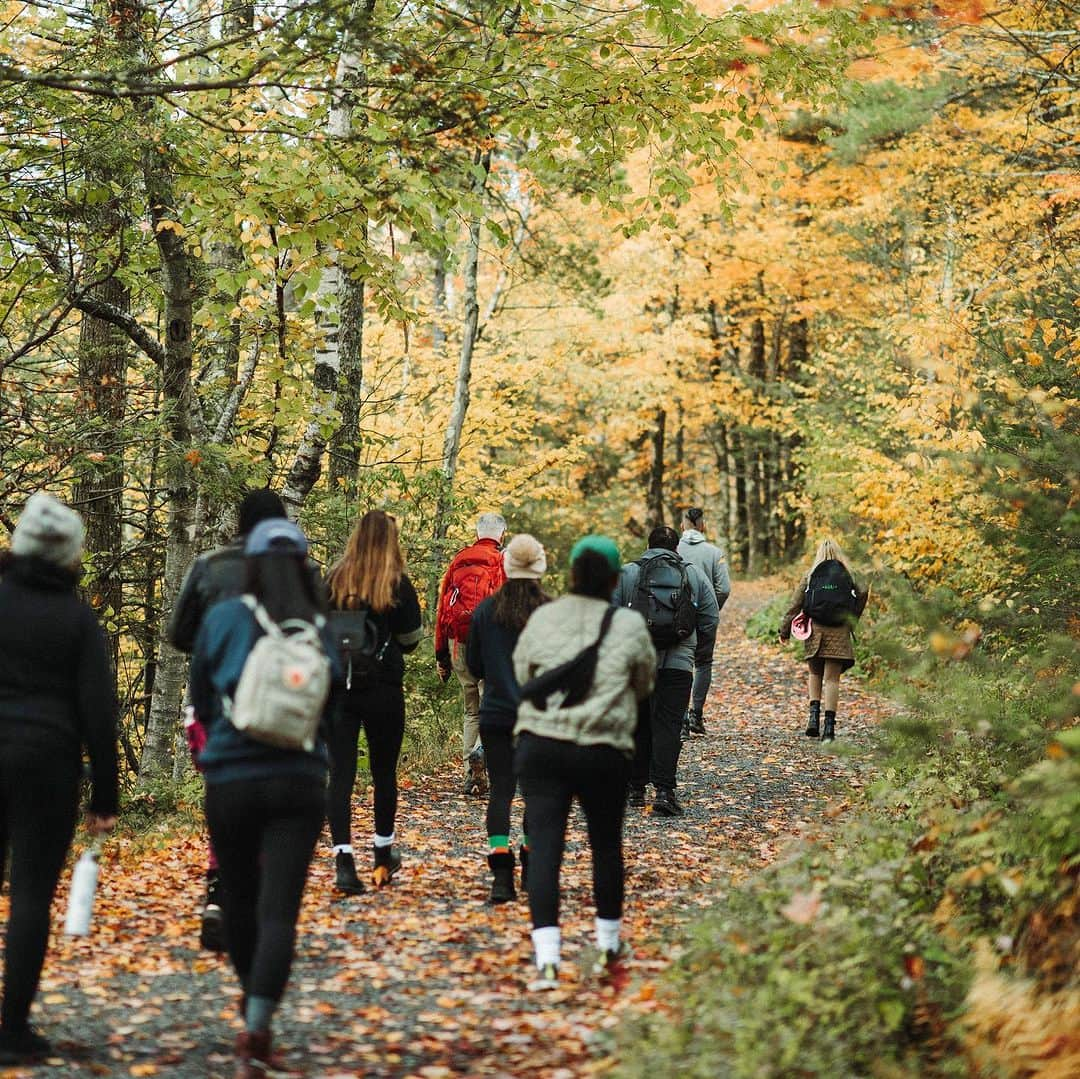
(574, 677)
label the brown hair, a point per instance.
(370, 567)
(516, 600)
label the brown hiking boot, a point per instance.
(252, 1055)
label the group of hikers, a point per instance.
(587, 697)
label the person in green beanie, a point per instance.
(582, 666)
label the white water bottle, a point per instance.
(84, 878)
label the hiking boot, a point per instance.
(387, 863)
(22, 1045)
(345, 878)
(609, 961)
(212, 922)
(635, 796)
(697, 724)
(523, 856)
(501, 864)
(252, 1054)
(813, 727)
(547, 977)
(665, 804)
(828, 732)
(477, 773)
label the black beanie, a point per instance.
(259, 505)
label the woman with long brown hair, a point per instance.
(369, 578)
(829, 588)
(489, 654)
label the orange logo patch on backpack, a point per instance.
(295, 676)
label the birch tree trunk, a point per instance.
(470, 321)
(340, 300)
(180, 494)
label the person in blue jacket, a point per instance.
(264, 805)
(489, 654)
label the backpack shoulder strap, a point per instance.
(266, 623)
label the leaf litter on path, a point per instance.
(423, 979)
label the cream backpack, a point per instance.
(283, 687)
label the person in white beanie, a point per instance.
(57, 698)
(496, 625)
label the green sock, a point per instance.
(500, 843)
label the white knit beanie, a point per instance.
(48, 529)
(524, 558)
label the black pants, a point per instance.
(380, 711)
(502, 783)
(656, 739)
(264, 832)
(552, 774)
(39, 797)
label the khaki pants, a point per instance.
(471, 690)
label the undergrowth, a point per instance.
(855, 957)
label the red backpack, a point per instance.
(473, 577)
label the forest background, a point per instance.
(810, 265)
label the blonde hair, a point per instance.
(827, 549)
(370, 567)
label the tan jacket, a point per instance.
(625, 671)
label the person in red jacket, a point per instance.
(474, 573)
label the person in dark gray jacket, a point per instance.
(656, 740)
(711, 563)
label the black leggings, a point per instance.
(552, 774)
(380, 711)
(39, 798)
(498, 746)
(264, 832)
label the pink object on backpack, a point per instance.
(801, 627)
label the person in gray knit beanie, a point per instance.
(50, 530)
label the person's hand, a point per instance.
(444, 671)
(96, 824)
(783, 639)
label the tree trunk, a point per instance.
(656, 472)
(460, 405)
(180, 492)
(103, 355)
(339, 300)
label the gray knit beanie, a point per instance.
(48, 529)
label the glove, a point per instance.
(195, 733)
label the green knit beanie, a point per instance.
(603, 546)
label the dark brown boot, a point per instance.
(252, 1054)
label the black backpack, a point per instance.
(663, 595)
(357, 634)
(830, 594)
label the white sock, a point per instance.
(607, 934)
(384, 840)
(547, 942)
(343, 848)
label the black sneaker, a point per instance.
(665, 804)
(635, 796)
(23, 1045)
(212, 922)
(697, 724)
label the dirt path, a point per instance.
(423, 979)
